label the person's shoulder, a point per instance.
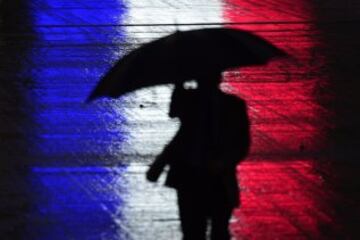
(231, 98)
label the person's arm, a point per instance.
(236, 135)
(177, 100)
(157, 167)
(244, 133)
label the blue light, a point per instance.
(83, 202)
(74, 196)
(74, 47)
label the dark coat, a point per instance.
(213, 138)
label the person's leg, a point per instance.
(192, 215)
(220, 223)
(220, 214)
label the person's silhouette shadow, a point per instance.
(213, 138)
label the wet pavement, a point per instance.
(71, 170)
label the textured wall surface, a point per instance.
(72, 170)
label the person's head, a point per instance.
(209, 80)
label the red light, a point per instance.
(277, 199)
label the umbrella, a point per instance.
(184, 55)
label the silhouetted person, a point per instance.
(202, 157)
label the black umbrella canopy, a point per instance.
(185, 55)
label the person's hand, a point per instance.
(152, 174)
